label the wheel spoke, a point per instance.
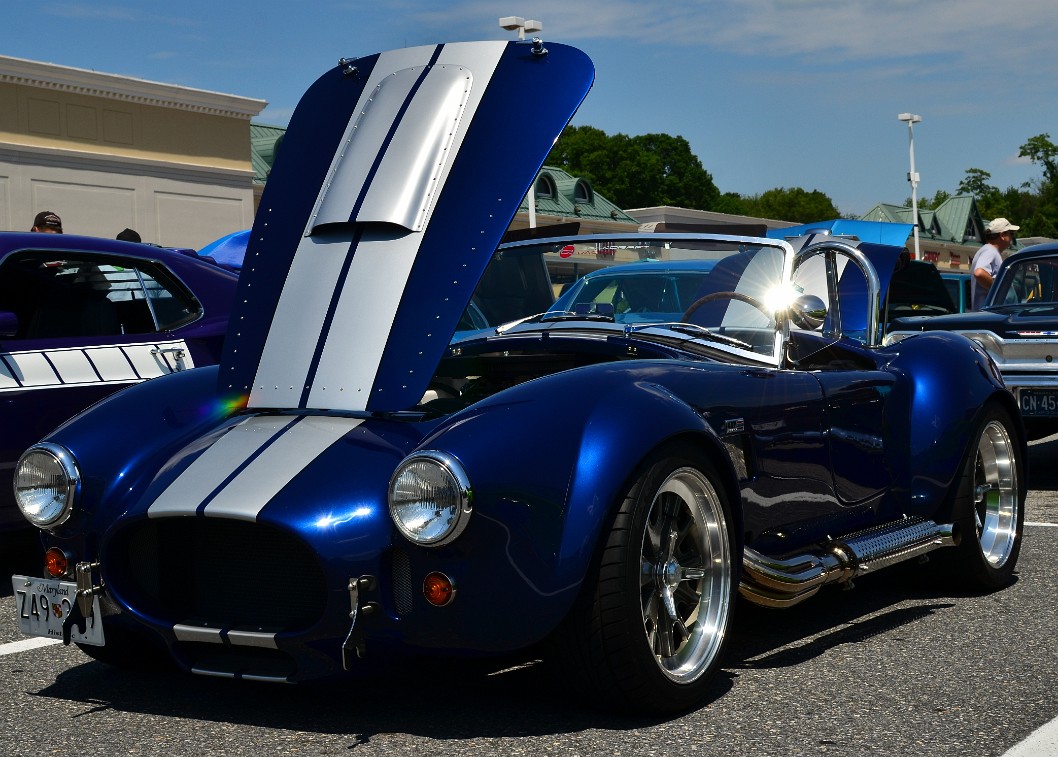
(684, 540)
(996, 494)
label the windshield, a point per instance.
(726, 287)
(1028, 281)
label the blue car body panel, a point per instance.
(879, 232)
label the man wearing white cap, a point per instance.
(999, 235)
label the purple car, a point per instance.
(81, 317)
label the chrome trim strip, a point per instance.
(257, 639)
(207, 635)
(197, 633)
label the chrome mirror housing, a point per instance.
(808, 312)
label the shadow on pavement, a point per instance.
(521, 699)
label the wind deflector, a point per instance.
(398, 176)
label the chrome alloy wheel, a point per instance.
(996, 494)
(686, 575)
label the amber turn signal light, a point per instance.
(56, 563)
(438, 589)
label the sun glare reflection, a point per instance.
(779, 298)
(330, 520)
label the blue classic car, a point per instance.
(81, 317)
(651, 290)
(349, 487)
(1018, 326)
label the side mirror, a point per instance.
(808, 312)
(8, 324)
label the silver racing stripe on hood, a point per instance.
(244, 469)
(394, 158)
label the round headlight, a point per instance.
(430, 500)
(46, 484)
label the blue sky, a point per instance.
(769, 93)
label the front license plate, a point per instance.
(44, 604)
(1039, 402)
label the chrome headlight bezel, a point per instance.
(47, 511)
(418, 477)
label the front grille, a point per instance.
(221, 573)
(402, 590)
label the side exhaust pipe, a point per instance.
(785, 581)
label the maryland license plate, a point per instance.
(44, 604)
(1038, 402)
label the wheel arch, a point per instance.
(698, 442)
(948, 379)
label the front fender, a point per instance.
(120, 443)
(545, 494)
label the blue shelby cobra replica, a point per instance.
(350, 487)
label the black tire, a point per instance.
(651, 626)
(992, 487)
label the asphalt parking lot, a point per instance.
(897, 666)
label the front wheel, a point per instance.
(653, 624)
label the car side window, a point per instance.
(90, 296)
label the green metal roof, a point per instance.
(954, 220)
(263, 143)
(959, 220)
(560, 194)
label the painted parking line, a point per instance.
(1044, 525)
(1043, 742)
(14, 647)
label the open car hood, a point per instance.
(396, 179)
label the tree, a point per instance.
(929, 203)
(1044, 153)
(1041, 215)
(635, 172)
(791, 204)
(976, 183)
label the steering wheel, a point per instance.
(727, 296)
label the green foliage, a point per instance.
(636, 172)
(976, 183)
(790, 204)
(929, 203)
(1033, 206)
(659, 169)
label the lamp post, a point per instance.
(512, 23)
(912, 175)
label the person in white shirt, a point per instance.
(999, 235)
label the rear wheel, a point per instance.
(651, 628)
(991, 538)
